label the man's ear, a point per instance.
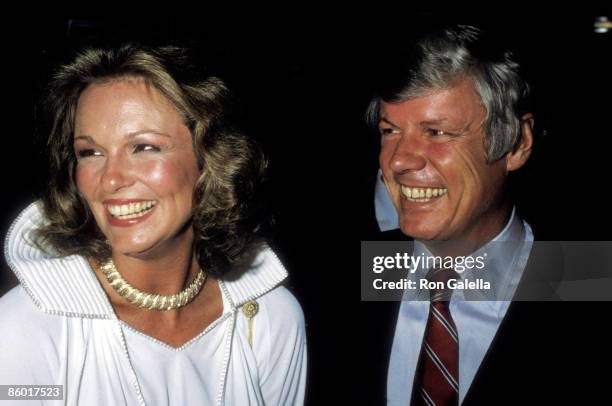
(517, 157)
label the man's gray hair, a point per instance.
(448, 56)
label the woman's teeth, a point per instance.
(422, 194)
(132, 210)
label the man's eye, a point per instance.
(146, 147)
(437, 133)
(85, 153)
(388, 131)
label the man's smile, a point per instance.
(419, 194)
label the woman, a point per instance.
(141, 277)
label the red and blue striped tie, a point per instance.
(437, 375)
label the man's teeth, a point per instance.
(132, 210)
(422, 194)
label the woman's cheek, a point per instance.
(169, 173)
(158, 172)
(84, 179)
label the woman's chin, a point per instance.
(139, 250)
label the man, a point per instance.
(454, 124)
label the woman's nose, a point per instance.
(116, 175)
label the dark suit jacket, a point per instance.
(544, 352)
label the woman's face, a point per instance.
(136, 167)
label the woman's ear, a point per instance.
(517, 157)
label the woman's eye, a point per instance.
(85, 153)
(146, 147)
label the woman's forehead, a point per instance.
(125, 106)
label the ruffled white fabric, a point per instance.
(59, 328)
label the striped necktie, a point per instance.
(437, 376)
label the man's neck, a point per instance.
(476, 238)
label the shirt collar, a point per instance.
(67, 285)
(386, 214)
(506, 254)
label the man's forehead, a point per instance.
(455, 105)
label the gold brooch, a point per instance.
(250, 309)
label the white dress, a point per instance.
(58, 328)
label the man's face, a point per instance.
(434, 164)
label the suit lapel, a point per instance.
(381, 318)
(524, 334)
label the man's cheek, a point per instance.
(395, 193)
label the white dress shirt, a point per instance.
(476, 321)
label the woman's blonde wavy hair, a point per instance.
(226, 215)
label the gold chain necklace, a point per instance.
(149, 300)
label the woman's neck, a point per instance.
(163, 270)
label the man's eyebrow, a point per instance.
(90, 139)
(454, 127)
(433, 122)
(386, 120)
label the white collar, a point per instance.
(67, 286)
(507, 255)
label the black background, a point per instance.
(305, 84)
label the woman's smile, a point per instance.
(128, 212)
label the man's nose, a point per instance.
(408, 154)
(116, 174)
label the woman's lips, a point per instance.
(125, 213)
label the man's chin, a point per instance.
(417, 233)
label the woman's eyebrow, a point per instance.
(90, 139)
(146, 131)
(87, 138)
